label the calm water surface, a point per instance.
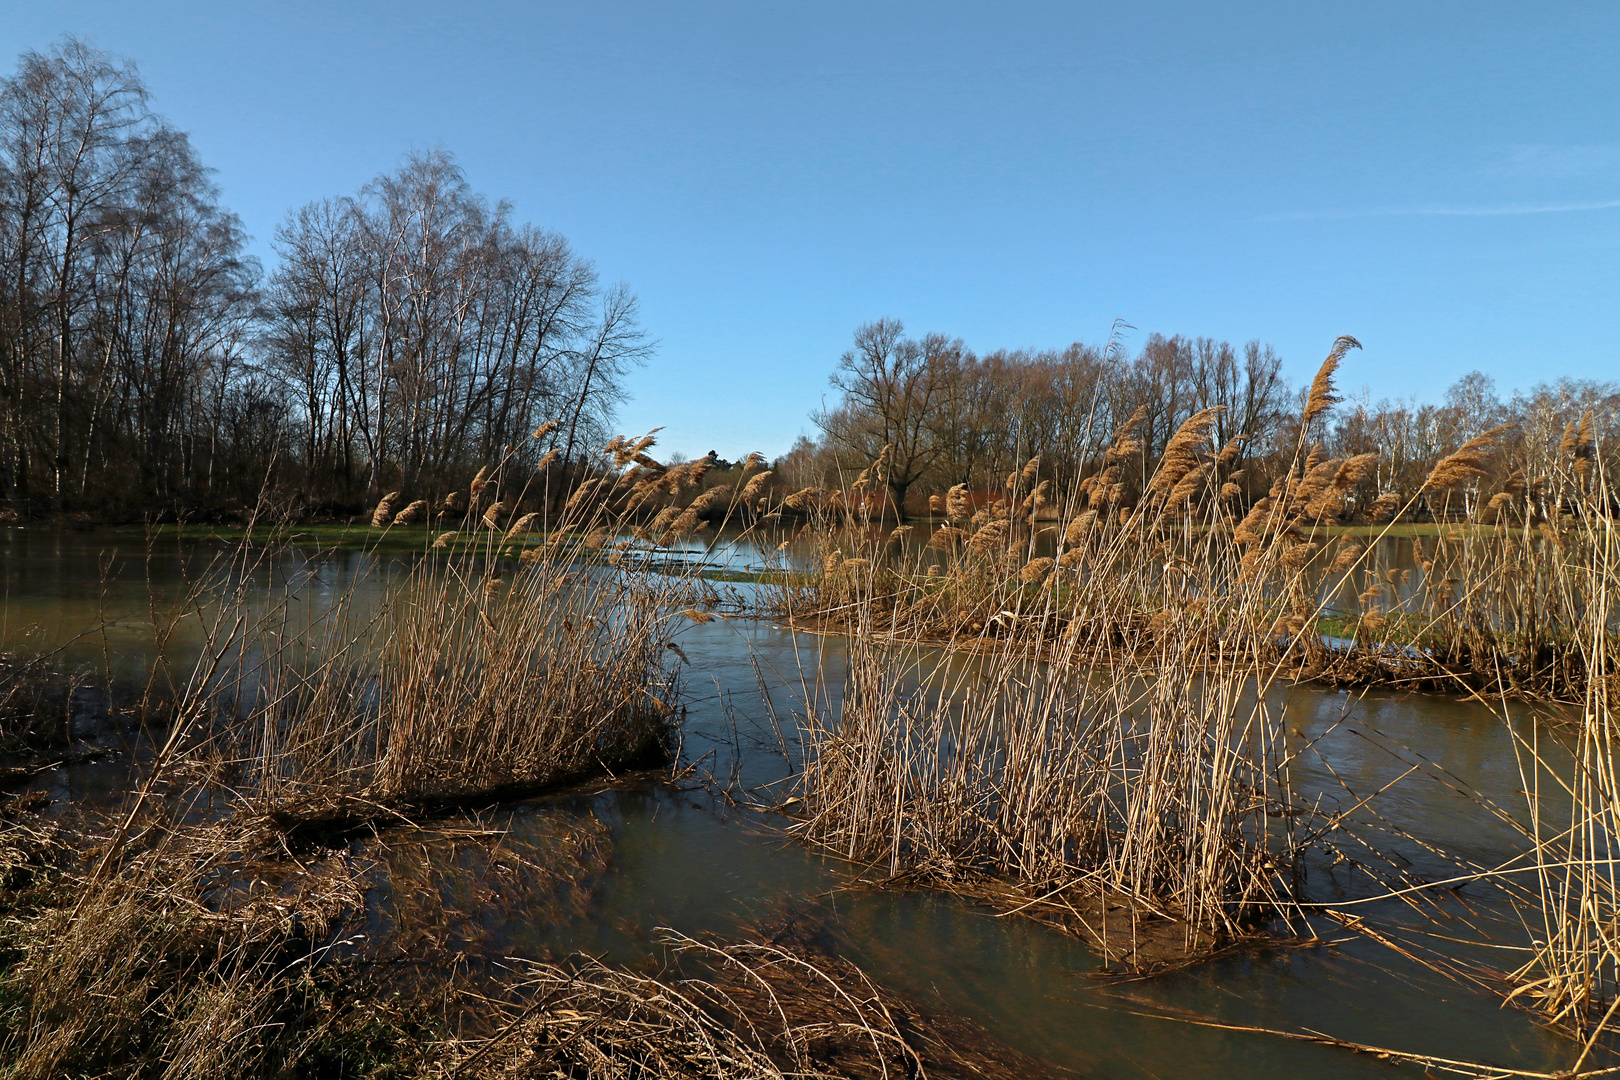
(691, 862)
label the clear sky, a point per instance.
(1440, 180)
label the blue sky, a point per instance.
(1440, 180)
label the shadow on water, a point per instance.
(676, 854)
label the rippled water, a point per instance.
(681, 858)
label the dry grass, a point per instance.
(1488, 608)
(755, 1010)
(150, 944)
(1573, 975)
(1089, 790)
(35, 704)
(1109, 747)
(208, 952)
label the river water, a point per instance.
(680, 857)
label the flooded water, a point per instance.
(683, 858)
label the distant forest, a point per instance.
(951, 417)
(407, 333)
(411, 331)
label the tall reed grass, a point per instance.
(310, 711)
(1112, 747)
(1483, 602)
(1573, 975)
(1048, 707)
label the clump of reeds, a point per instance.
(1573, 976)
(461, 683)
(1488, 612)
(211, 951)
(1117, 743)
(133, 972)
(750, 1011)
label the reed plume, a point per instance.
(1188, 486)
(1079, 528)
(650, 467)
(1106, 488)
(756, 486)
(957, 506)
(1317, 454)
(1384, 508)
(521, 525)
(1295, 556)
(492, 516)
(991, 535)
(1354, 471)
(1125, 443)
(699, 469)
(1349, 554)
(687, 523)
(1180, 455)
(413, 513)
(873, 473)
(1229, 453)
(384, 513)
(479, 483)
(443, 540)
(1323, 395)
(1041, 498)
(663, 520)
(1035, 571)
(1256, 523)
(544, 429)
(1031, 468)
(587, 489)
(1467, 464)
(803, 499)
(1326, 501)
(1583, 436)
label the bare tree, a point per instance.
(893, 387)
(407, 334)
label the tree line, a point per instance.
(947, 416)
(406, 335)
